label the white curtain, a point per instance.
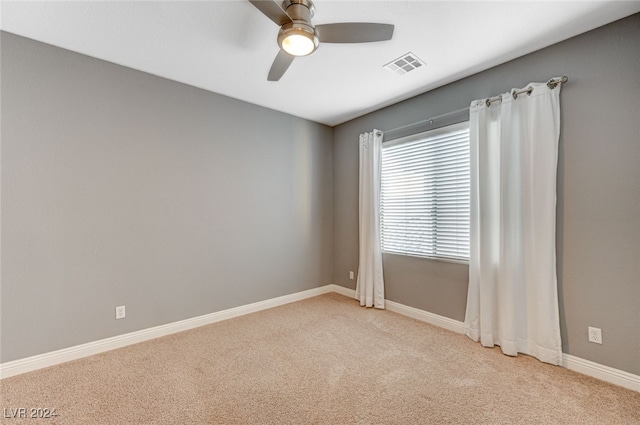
(512, 300)
(370, 283)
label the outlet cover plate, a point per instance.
(120, 312)
(595, 335)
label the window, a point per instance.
(424, 202)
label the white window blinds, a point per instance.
(424, 207)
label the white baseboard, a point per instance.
(52, 358)
(351, 293)
(425, 316)
(17, 367)
(602, 372)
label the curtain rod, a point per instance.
(428, 120)
(552, 84)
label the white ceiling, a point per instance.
(227, 47)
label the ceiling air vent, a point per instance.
(405, 63)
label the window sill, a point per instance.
(424, 257)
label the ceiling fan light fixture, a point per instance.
(298, 44)
(297, 40)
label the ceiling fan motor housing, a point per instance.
(301, 12)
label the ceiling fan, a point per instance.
(299, 37)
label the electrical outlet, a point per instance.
(120, 313)
(595, 335)
(351, 275)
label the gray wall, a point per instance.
(598, 215)
(119, 187)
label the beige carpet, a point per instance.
(324, 360)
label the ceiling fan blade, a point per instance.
(272, 11)
(354, 32)
(280, 65)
